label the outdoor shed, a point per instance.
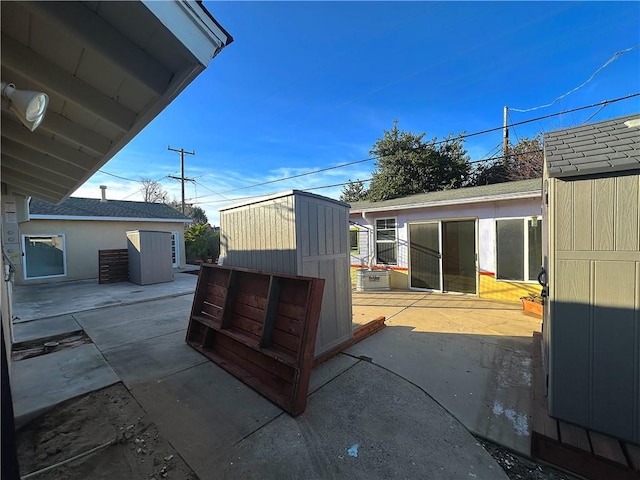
(149, 257)
(297, 233)
(591, 191)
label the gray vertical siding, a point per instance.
(595, 303)
(298, 234)
(260, 236)
(323, 232)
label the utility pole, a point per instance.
(505, 135)
(182, 177)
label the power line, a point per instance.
(460, 137)
(611, 60)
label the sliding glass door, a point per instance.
(442, 256)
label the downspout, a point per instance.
(370, 243)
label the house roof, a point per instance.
(74, 208)
(109, 68)
(609, 146)
(485, 193)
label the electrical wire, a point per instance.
(459, 137)
(608, 62)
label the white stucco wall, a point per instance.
(486, 213)
(83, 239)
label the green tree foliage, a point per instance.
(524, 160)
(201, 243)
(353, 192)
(407, 164)
(192, 211)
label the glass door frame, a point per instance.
(440, 221)
(423, 222)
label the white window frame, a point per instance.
(356, 250)
(525, 225)
(376, 241)
(175, 249)
(24, 256)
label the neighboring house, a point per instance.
(478, 240)
(592, 261)
(61, 242)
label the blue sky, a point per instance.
(310, 85)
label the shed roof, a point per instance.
(485, 193)
(74, 208)
(609, 146)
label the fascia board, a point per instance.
(191, 26)
(107, 219)
(444, 203)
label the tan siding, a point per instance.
(603, 213)
(582, 215)
(613, 346)
(572, 336)
(627, 212)
(563, 224)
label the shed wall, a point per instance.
(261, 236)
(83, 239)
(594, 321)
(324, 252)
(301, 235)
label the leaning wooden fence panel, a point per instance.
(259, 326)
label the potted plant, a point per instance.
(532, 303)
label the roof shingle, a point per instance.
(93, 207)
(609, 146)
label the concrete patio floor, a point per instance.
(470, 355)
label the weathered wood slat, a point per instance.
(633, 452)
(247, 328)
(113, 266)
(607, 447)
(574, 436)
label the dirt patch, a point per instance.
(520, 468)
(51, 344)
(110, 416)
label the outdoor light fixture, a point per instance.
(28, 106)
(534, 220)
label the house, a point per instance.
(482, 240)
(591, 194)
(61, 242)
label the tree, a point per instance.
(407, 164)
(526, 159)
(201, 243)
(194, 212)
(152, 191)
(523, 161)
(353, 192)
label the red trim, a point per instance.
(488, 274)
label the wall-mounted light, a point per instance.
(28, 106)
(534, 220)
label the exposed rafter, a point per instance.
(28, 183)
(77, 20)
(45, 144)
(33, 159)
(65, 128)
(16, 57)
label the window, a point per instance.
(518, 249)
(386, 246)
(354, 240)
(44, 256)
